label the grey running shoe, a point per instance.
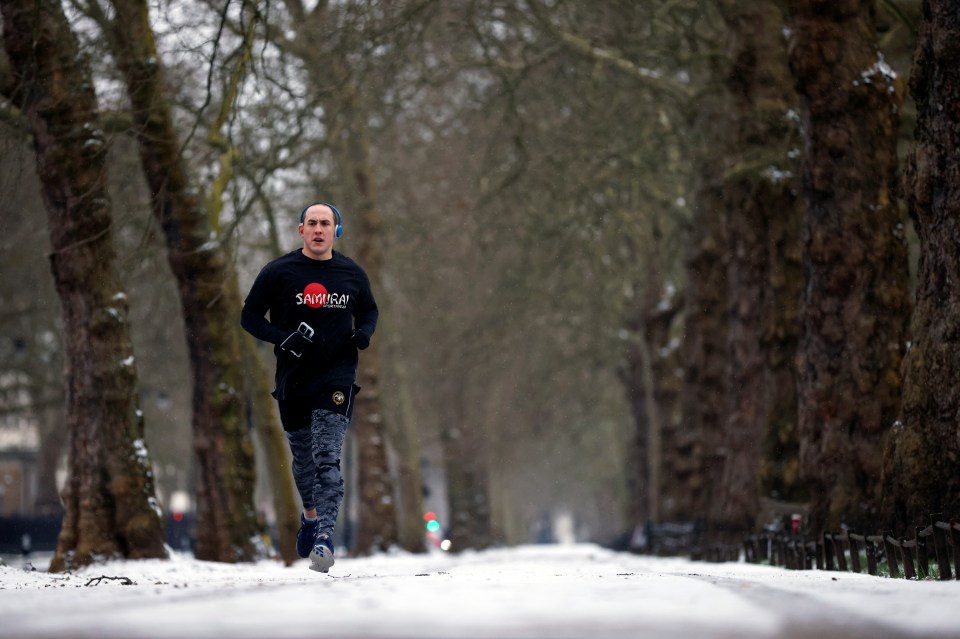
(321, 557)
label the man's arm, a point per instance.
(259, 326)
(253, 316)
(366, 315)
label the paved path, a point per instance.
(532, 591)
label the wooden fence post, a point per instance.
(838, 544)
(955, 536)
(891, 552)
(827, 552)
(940, 543)
(870, 547)
(855, 550)
(923, 554)
(905, 550)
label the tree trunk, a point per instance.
(756, 189)
(276, 451)
(705, 329)
(920, 467)
(110, 507)
(647, 380)
(378, 528)
(855, 298)
(779, 472)
(468, 486)
(636, 377)
(227, 523)
(676, 444)
(409, 479)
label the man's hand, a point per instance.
(360, 339)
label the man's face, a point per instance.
(317, 232)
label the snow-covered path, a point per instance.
(530, 591)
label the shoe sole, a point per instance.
(320, 563)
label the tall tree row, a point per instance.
(110, 506)
(603, 236)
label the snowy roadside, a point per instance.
(530, 591)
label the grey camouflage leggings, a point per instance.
(316, 465)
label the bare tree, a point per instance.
(855, 300)
(920, 463)
(227, 521)
(110, 508)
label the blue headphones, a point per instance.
(338, 229)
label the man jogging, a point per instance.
(321, 312)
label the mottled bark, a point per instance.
(855, 298)
(921, 462)
(779, 473)
(227, 523)
(110, 507)
(757, 191)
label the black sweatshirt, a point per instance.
(332, 296)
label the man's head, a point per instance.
(336, 215)
(319, 227)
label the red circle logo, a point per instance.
(315, 295)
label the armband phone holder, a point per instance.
(298, 341)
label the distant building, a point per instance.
(19, 445)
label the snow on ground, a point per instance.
(556, 591)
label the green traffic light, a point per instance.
(433, 525)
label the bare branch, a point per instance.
(216, 136)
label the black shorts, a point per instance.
(298, 413)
